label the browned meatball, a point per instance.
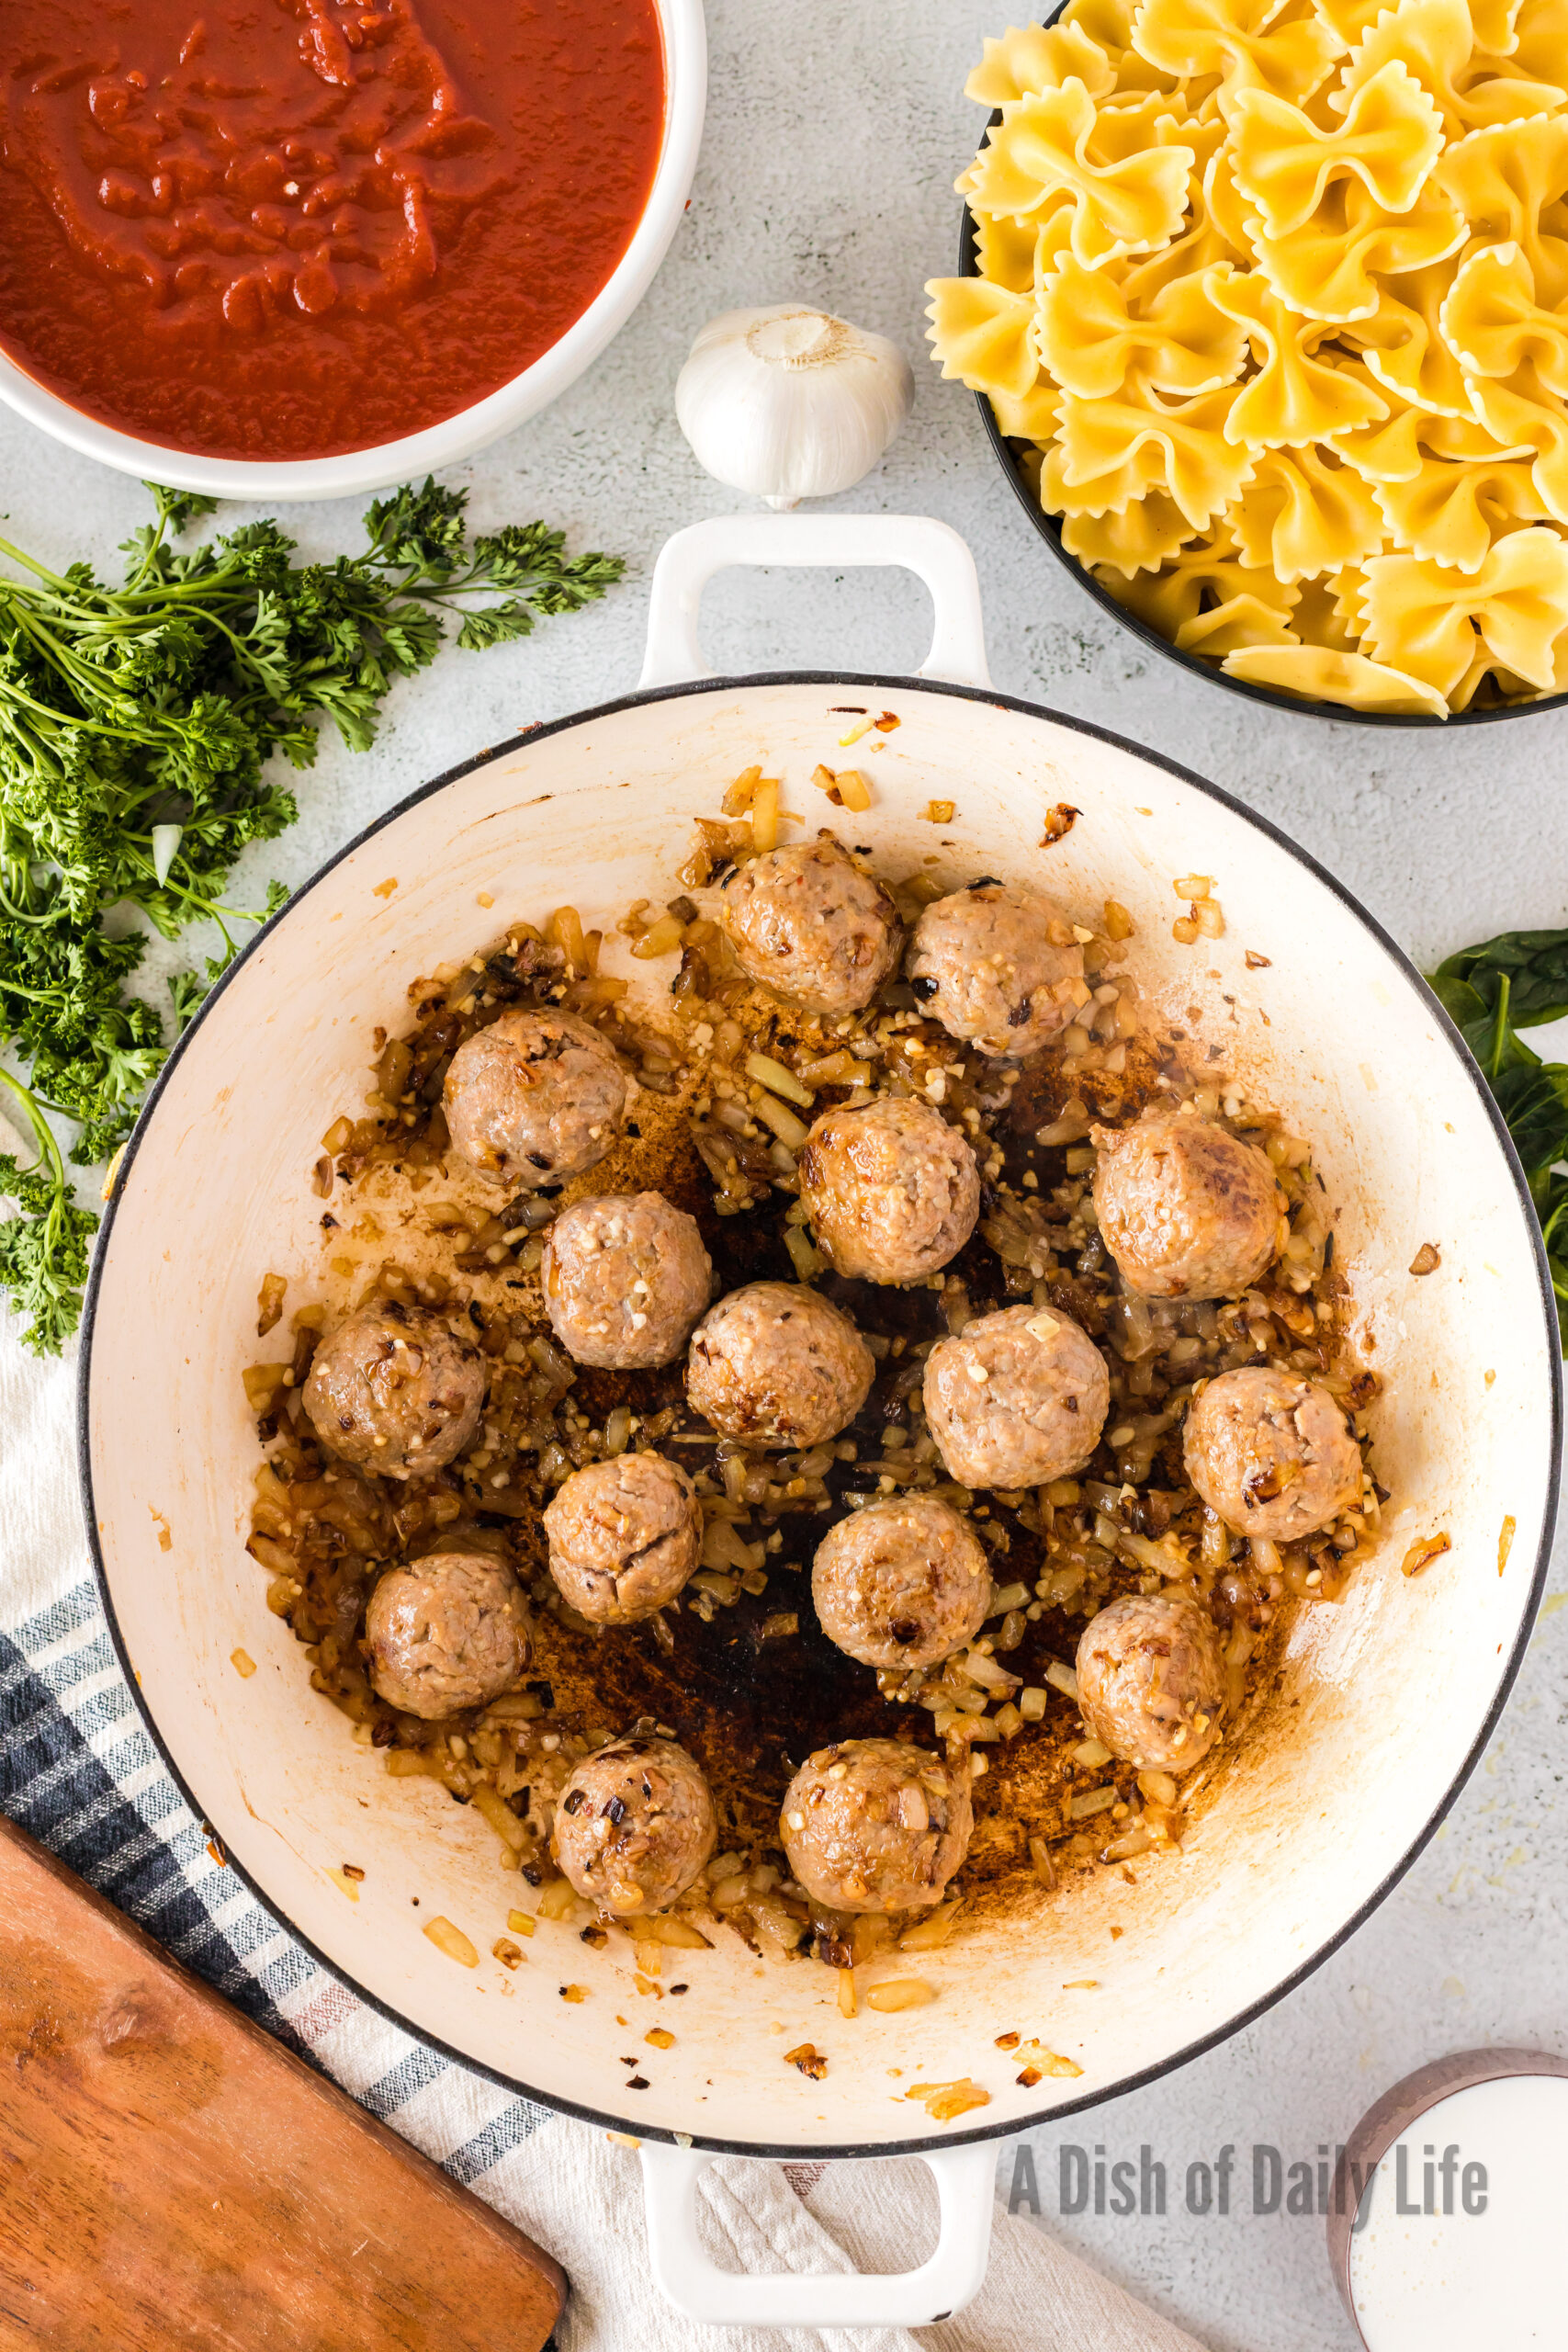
(1272, 1453)
(446, 1633)
(1185, 1209)
(874, 1824)
(1152, 1681)
(776, 1364)
(394, 1391)
(635, 1826)
(625, 1277)
(535, 1098)
(891, 1189)
(1015, 1398)
(625, 1534)
(901, 1583)
(808, 922)
(998, 967)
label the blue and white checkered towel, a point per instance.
(79, 1771)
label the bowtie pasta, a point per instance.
(1277, 291)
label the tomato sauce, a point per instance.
(278, 229)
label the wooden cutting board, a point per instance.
(171, 2178)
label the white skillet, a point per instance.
(1388, 1697)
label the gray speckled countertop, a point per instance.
(834, 134)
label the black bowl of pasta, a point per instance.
(1320, 480)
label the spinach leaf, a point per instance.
(1528, 967)
(1519, 980)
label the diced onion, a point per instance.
(779, 1080)
(899, 1993)
(452, 1941)
(782, 1120)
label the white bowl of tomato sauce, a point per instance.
(308, 248)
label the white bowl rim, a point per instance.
(1450, 1035)
(353, 472)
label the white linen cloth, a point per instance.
(78, 1770)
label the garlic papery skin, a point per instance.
(790, 403)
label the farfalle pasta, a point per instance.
(987, 335)
(1126, 183)
(1437, 41)
(1306, 515)
(1245, 43)
(1432, 621)
(1277, 296)
(1403, 345)
(1107, 451)
(1180, 339)
(1287, 168)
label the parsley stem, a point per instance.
(40, 572)
(10, 692)
(43, 1134)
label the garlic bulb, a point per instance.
(790, 403)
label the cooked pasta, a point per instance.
(1277, 298)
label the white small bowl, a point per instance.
(455, 437)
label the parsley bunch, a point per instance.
(1519, 980)
(136, 727)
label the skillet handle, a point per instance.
(965, 2180)
(917, 542)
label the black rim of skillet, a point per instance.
(918, 2144)
(1050, 530)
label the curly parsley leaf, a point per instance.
(135, 716)
(43, 1248)
(421, 530)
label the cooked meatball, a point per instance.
(392, 1390)
(535, 1098)
(807, 922)
(874, 1824)
(1272, 1453)
(998, 966)
(625, 1534)
(893, 1191)
(1185, 1209)
(1152, 1681)
(776, 1364)
(446, 1633)
(625, 1277)
(634, 1825)
(1015, 1398)
(901, 1583)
